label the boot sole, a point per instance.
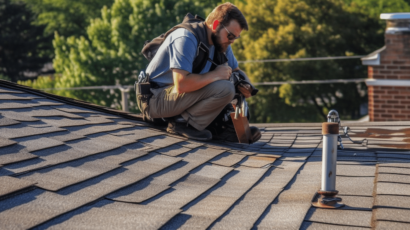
(184, 135)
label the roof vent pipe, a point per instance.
(328, 192)
(333, 116)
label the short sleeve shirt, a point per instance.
(178, 52)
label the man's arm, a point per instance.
(186, 82)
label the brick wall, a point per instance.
(391, 103)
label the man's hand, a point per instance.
(223, 72)
(245, 89)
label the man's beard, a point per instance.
(216, 40)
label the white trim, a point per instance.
(373, 58)
(395, 16)
(383, 82)
(393, 30)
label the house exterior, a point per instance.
(389, 72)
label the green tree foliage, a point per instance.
(23, 48)
(4, 77)
(67, 17)
(109, 53)
(42, 82)
(306, 28)
(375, 7)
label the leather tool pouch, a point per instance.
(142, 88)
(143, 93)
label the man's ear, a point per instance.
(215, 25)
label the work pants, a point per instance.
(199, 108)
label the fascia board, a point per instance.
(373, 58)
(395, 16)
(384, 82)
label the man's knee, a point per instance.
(224, 90)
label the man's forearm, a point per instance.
(186, 82)
(192, 82)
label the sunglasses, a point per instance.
(231, 36)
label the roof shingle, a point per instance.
(68, 164)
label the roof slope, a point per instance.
(66, 164)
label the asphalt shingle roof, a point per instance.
(66, 164)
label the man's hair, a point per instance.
(226, 12)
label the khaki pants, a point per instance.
(199, 108)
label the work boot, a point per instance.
(229, 134)
(255, 134)
(188, 131)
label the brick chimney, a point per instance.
(389, 72)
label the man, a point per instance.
(193, 100)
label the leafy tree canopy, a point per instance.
(23, 48)
(307, 28)
(109, 52)
(67, 17)
(375, 7)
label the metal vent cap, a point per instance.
(333, 116)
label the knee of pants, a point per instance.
(226, 90)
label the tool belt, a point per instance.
(143, 94)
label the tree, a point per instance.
(67, 17)
(109, 53)
(23, 48)
(43, 82)
(307, 28)
(375, 7)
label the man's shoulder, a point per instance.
(182, 34)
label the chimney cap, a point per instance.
(395, 16)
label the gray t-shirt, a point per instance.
(178, 52)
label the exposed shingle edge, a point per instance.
(287, 188)
(264, 201)
(18, 192)
(96, 197)
(14, 186)
(71, 101)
